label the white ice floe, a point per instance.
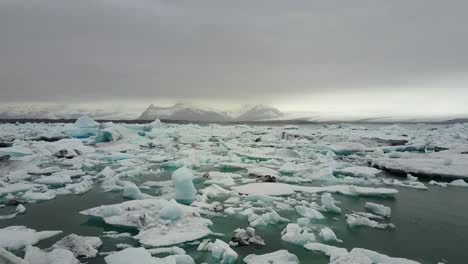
(220, 251)
(327, 235)
(7, 257)
(146, 216)
(34, 255)
(15, 237)
(269, 218)
(378, 209)
(355, 256)
(309, 212)
(358, 171)
(329, 204)
(355, 220)
(459, 183)
(20, 209)
(297, 235)
(288, 189)
(440, 164)
(279, 257)
(81, 246)
(247, 236)
(130, 255)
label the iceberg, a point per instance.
(219, 251)
(327, 235)
(280, 256)
(297, 235)
(378, 209)
(244, 237)
(185, 191)
(16, 237)
(82, 247)
(34, 255)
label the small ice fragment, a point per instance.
(327, 235)
(81, 246)
(244, 237)
(219, 250)
(378, 209)
(280, 256)
(329, 203)
(295, 234)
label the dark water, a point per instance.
(430, 225)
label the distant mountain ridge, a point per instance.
(191, 113)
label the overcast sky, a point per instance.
(360, 55)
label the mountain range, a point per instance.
(190, 113)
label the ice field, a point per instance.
(152, 193)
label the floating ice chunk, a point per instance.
(358, 171)
(16, 151)
(80, 132)
(34, 255)
(171, 211)
(181, 231)
(215, 191)
(288, 189)
(378, 209)
(407, 184)
(81, 246)
(427, 165)
(15, 237)
(295, 234)
(269, 218)
(327, 235)
(354, 220)
(155, 232)
(441, 184)
(411, 177)
(277, 257)
(309, 212)
(288, 168)
(130, 255)
(81, 187)
(175, 259)
(329, 203)
(347, 148)
(261, 171)
(221, 178)
(16, 188)
(32, 196)
(131, 191)
(286, 153)
(20, 209)
(86, 122)
(355, 256)
(166, 250)
(244, 237)
(220, 250)
(274, 189)
(9, 258)
(182, 179)
(56, 181)
(459, 183)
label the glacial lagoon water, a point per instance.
(431, 225)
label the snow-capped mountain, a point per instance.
(191, 113)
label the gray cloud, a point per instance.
(229, 50)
